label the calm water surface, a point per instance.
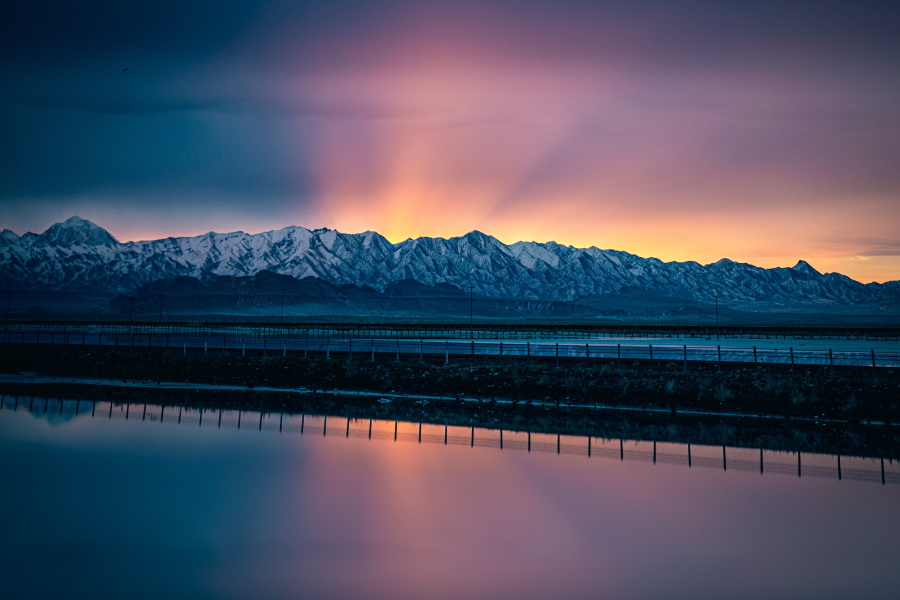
(110, 508)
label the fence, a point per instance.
(689, 455)
(420, 349)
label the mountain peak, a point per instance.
(76, 231)
(805, 267)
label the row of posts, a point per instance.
(164, 341)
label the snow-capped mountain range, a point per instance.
(78, 254)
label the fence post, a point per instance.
(327, 348)
(421, 351)
(372, 343)
(557, 354)
(685, 357)
(528, 349)
(831, 361)
(350, 349)
(719, 357)
(587, 354)
(398, 350)
(755, 363)
(619, 355)
(650, 346)
(873, 360)
(446, 352)
(792, 356)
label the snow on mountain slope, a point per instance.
(77, 254)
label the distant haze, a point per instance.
(764, 132)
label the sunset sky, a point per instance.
(764, 131)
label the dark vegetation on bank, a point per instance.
(845, 393)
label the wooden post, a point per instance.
(501, 439)
(529, 441)
(558, 442)
(421, 351)
(528, 349)
(650, 346)
(446, 352)
(325, 425)
(557, 355)
(831, 361)
(798, 465)
(398, 350)
(689, 455)
(260, 420)
(685, 357)
(839, 467)
(724, 460)
(240, 414)
(372, 344)
(280, 420)
(348, 427)
(395, 430)
(654, 452)
(473, 438)
(420, 433)
(445, 434)
(719, 357)
(873, 360)
(302, 423)
(619, 356)
(587, 355)
(621, 449)
(755, 362)
(760, 461)
(589, 447)
(792, 356)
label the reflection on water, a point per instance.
(720, 457)
(151, 501)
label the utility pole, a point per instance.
(471, 312)
(717, 317)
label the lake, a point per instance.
(112, 501)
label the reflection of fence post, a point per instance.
(719, 357)
(831, 361)
(587, 355)
(557, 355)
(755, 363)
(873, 360)
(792, 357)
(372, 343)
(685, 357)
(619, 356)
(446, 352)
(528, 349)
(650, 346)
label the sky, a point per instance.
(765, 132)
